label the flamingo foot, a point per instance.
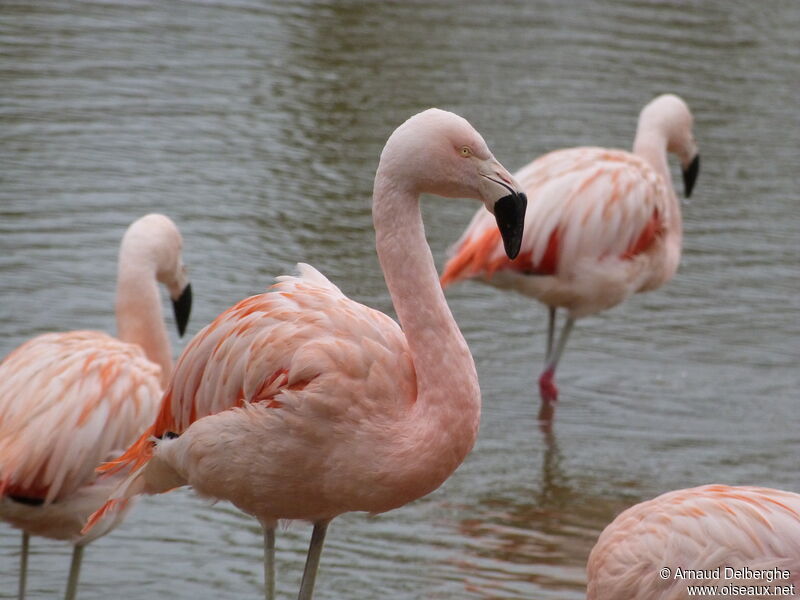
(549, 394)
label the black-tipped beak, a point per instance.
(183, 306)
(509, 212)
(690, 175)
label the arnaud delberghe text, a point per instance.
(728, 573)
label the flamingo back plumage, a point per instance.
(583, 203)
(700, 528)
(69, 402)
(301, 347)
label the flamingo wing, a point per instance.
(68, 402)
(303, 335)
(583, 203)
(700, 528)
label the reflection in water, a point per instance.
(537, 540)
(555, 489)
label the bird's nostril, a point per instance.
(506, 178)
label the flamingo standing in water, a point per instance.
(684, 538)
(303, 404)
(70, 401)
(601, 225)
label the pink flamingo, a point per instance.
(602, 225)
(70, 401)
(650, 550)
(303, 404)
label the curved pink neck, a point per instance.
(651, 145)
(447, 382)
(138, 310)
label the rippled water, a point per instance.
(257, 128)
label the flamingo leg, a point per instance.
(547, 385)
(269, 562)
(312, 560)
(74, 572)
(551, 327)
(23, 565)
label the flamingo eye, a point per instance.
(465, 151)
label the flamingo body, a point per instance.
(595, 233)
(602, 225)
(321, 390)
(49, 447)
(704, 528)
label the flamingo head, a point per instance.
(671, 115)
(157, 240)
(438, 152)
